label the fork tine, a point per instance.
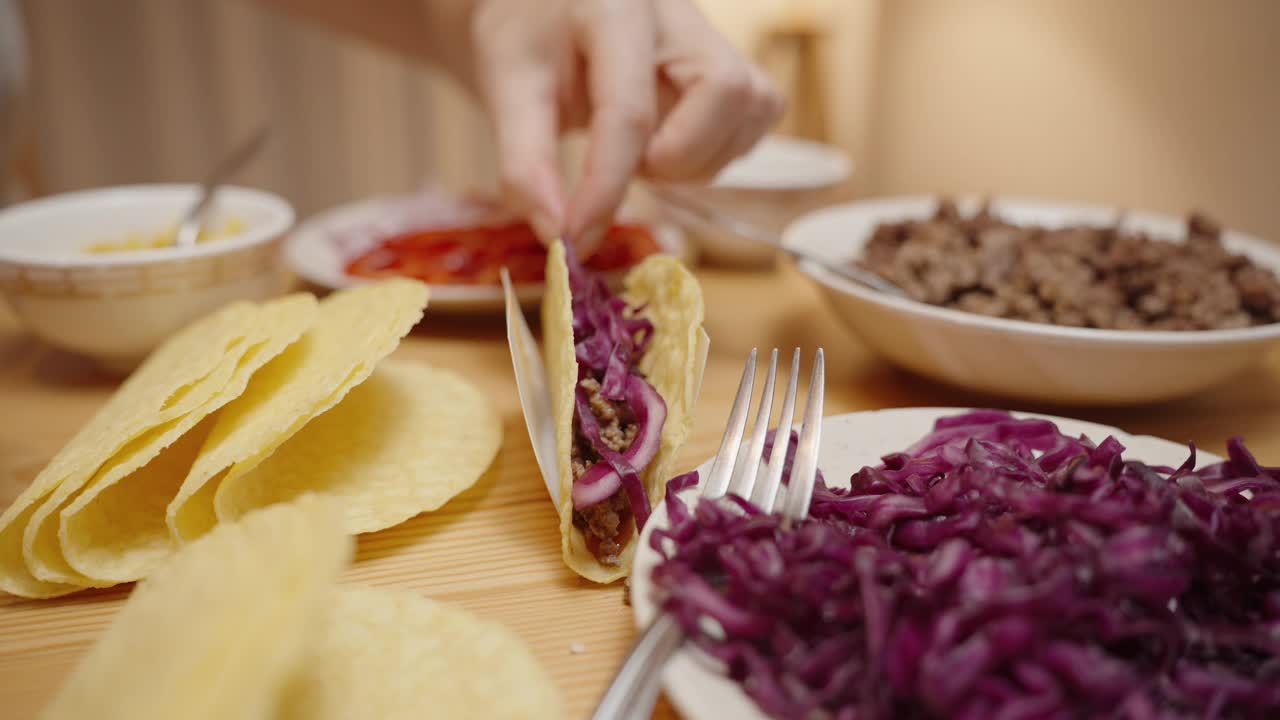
(804, 472)
(748, 467)
(722, 469)
(633, 690)
(766, 493)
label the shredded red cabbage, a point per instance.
(996, 569)
(609, 337)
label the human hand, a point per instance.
(661, 92)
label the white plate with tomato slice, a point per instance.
(456, 244)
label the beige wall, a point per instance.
(153, 90)
(1165, 104)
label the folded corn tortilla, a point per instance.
(196, 371)
(671, 300)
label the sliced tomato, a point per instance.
(475, 255)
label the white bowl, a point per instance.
(321, 246)
(781, 178)
(697, 687)
(1019, 359)
(117, 307)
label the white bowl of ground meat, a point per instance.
(1050, 302)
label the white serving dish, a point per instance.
(692, 681)
(781, 178)
(1013, 358)
(319, 249)
(116, 307)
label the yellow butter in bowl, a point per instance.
(229, 227)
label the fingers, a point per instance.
(536, 70)
(526, 132)
(618, 41)
(764, 111)
(725, 104)
(722, 114)
(700, 127)
(519, 89)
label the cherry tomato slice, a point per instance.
(475, 255)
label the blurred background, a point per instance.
(1160, 104)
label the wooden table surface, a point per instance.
(495, 548)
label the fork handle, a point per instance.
(633, 691)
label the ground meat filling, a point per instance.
(1080, 276)
(607, 525)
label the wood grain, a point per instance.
(495, 549)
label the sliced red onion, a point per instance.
(596, 485)
(616, 373)
(593, 352)
(626, 471)
(1059, 585)
(608, 336)
(602, 320)
(651, 415)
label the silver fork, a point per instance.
(635, 687)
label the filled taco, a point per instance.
(624, 372)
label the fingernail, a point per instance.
(548, 218)
(547, 229)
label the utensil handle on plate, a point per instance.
(189, 228)
(748, 231)
(634, 689)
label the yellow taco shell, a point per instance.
(672, 301)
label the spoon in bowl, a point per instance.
(193, 222)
